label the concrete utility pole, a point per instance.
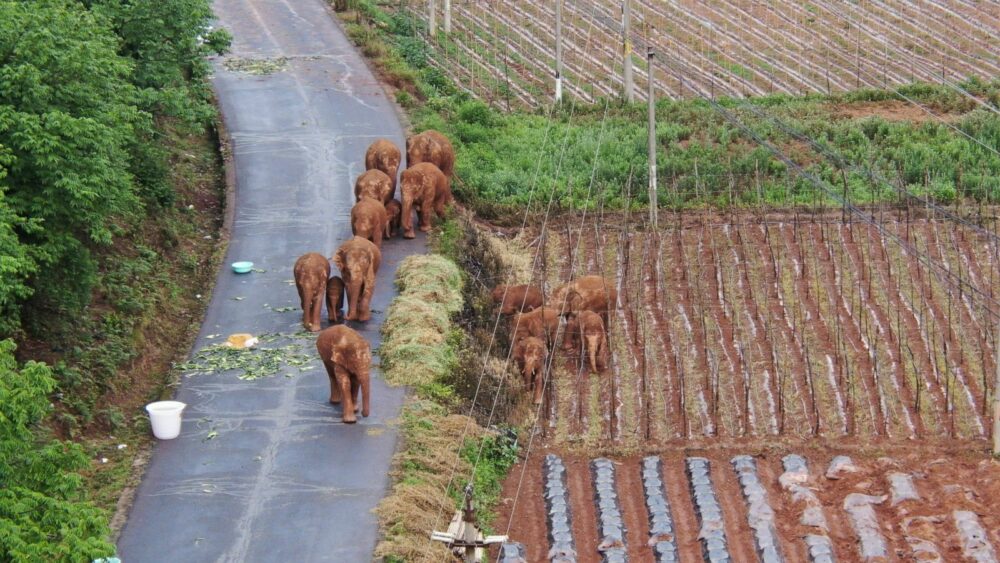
(463, 536)
(559, 50)
(447, 16)
(651, 103)
(432, 17)
(627, 50)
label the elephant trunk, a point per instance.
(353, 294)
(537, 375)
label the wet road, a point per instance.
(283, 479)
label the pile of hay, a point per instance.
(418, 501)
(414, 350)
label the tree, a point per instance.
(42, 514)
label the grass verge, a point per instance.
(440, 450)
(590, 156)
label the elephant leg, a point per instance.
(344, 380)
(317, 311)
(406, 218)
(331, 373)
(365, 311)
(354, 394)
(425, 217)
(304, 303)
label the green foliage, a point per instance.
(81, 157)
(42, 514)
(496, 454)
(590, 156)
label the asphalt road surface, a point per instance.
(281, 478)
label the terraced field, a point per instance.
(506, 50)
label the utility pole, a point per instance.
(651, 103)
(559, 50)
(627, 50)
(447, 17)
(463, 536)
(432, 17)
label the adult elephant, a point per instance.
(374, 184)
(424, 189)
(431, 146)
(587, 293)
(347, 357)
(517, 298)
(368, 220)
(358, 260)
(311, 272)
(385, 156)
(542, 323)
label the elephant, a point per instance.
(517, 298)
(347, 357)
(529, 353)
(431, 146)
(587, 293)
(334, 298)
(590, 328)
(358, 260)
(368, 220)
(385, 156)
(541, 323)
(311, 272)
(374, 184)
(424, 188)
(393, 214)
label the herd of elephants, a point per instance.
(425, 188)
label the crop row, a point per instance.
(730, 47)
(786, 326)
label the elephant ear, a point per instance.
(338, 260)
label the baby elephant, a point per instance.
(517, 298)
(347, 357)
(590, 328)
(393, 215)
(529, 353)
(311, 273)
(334, 298)
(542, 323)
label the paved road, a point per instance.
(283, 480)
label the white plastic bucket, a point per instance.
(165, 417)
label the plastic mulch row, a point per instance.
(760, 515)
(558, 512)
(662, 536)
(794, 481)
(714, 545)
(609, 515)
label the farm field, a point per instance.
(655, 514)
(770, 335)
(506, 51)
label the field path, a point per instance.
(264, 470)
